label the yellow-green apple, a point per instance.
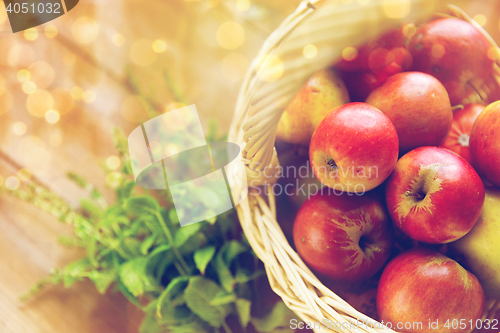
(459, 135)
(434, 195)
(354, 149)
(424, 291)
(480, 248)
(322, 93)
(456, 53)
(344, 237)
(485, 144)
(418, 106)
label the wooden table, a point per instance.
(100, 50)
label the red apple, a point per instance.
(434, 195)
(354, 149)
(424, 291)
(485, 144)
(456, 53)
(345, 237)
(418, 106)
(458, 137)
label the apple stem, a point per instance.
(418, 195)
(457, 107)
(331, 163)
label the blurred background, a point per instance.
(111, 63)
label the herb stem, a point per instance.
(184, 265)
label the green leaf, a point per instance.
(202, 257)
(279, 317)
(226, 278)
(174, 316)
(125, 190)
(232, 249)
(243, 307)
(223, 298)
(183, 234)
(103, 279)
(174, 287)
(75, 271)
(159, 249)
(198, 294)
(147, 243)
(133, 275)
(131, 298)
(141, 205)
(149, 325)
(245, 276)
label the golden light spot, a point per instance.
(230, 35)
(23, 75)
(89, 96)
(76, 92)
(63, 102)
(171, 149)
(69, 59)
(42, 74)
(243, 5)
(349, 53)
(396, 9)
(51, 31)
(142, 53)
(134, 109)
(56, 139)
(273, 68)
(155, 147)
(31, 34)
(114, 179)
(6, 102)
(234, 66)
(19, 128)
(12, 183)
(363, 2)
(159, 46)
(24, 175)
(179, 121)
(52, 116)
(480, 19)
(493, 53)
(21, 55)
(437, 50)
(39, 102)
(29, 87)
(85, 30)
(174, 106)
(409, 30)
(310, 51)
(33, 153)
(113, 162)
(212, 3)
(118, 39)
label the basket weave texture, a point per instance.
(277, 73)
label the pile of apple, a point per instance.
(409, 157)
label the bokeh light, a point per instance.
(409, 30)
(141, 52)
(19, 128)
(480, 19)
(89, 96)
(310, 51)
(52, 116)
(230, 35)
(234, 66)
(51, 31)
(118, 39)
(31, 34)
(159, 46)
(174, 106)
(114, 179)
(55, 138)
(42, 74)
(21, 55)
(63, 102)
(396, 9)
(24, 174)
(113, 162)
(134, 109)
(23, 75)
(76, 93)
(29, 87)
(212, 3)
(33, 153)
(39, 102)
(493, 53)
(85, 30)
(243, 5)
(349, 53)
(12, 183)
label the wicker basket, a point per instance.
(277, 73)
